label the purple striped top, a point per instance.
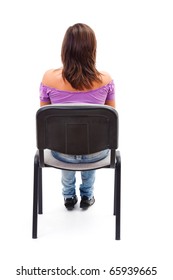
(95, 96)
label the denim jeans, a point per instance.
(88, 177)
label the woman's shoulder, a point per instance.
(106, 77)
(50, 76)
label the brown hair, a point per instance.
(78, 54)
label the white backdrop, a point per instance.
(135, 46)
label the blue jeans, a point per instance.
(88, 177)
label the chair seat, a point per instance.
(49, 160)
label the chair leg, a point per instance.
(40, 195)
(35, 197)
(117, 201)
(115, 187)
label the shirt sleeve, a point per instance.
(111, 91)
(44, 93)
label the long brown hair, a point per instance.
(78, 54)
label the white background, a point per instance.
(135, 46)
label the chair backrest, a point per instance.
(77, 128)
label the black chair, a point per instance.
(76, 129)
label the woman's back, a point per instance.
(53, 78)
(55, 89)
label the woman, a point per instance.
(78, 81)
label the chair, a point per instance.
(76, 129)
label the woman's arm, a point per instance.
(110, 103)
(42, 103)
(43, 92)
